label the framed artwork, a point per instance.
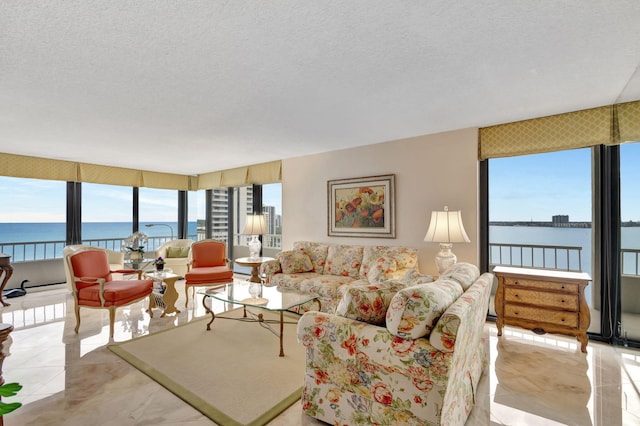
(362, 207)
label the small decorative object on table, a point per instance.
(134, 244)
(159, 263)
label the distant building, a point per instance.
(270, 218)
(560, 221)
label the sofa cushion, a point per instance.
(381, 269)
(291, 281)
(464, 273)
(178, 252)
(317, 252)
(368, 302)
(413, 277)
(414, 311)
(294, 262)
(344, 260)
(326, 285)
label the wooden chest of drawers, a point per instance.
(544, 301)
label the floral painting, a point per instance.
(362, 207)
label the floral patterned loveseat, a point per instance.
(325, 269)
(418, 363)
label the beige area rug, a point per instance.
(232, 373)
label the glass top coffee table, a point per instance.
(256, 295)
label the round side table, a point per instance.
(254, 263)
(5, 266)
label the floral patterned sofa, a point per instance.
(325, 269)
(414, 360)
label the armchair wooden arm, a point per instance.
(138, 272)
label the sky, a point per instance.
(34, 200)
(531, 187)
(537, 187)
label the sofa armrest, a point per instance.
(270, 267)
(464, 320)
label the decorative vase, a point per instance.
(160, 267)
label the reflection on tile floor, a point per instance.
(74, 379)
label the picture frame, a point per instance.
(362, 207)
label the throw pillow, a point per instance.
(414, 311)
(177, 252)
(368, 303)
(381, 269)
(294, 262)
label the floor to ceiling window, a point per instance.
(272, 209)
(158, 215)
(33, 210)
(197, 212)
(106, 214)
(540, 214)
(629, 327)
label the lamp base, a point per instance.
(445, 257)
(254, 247)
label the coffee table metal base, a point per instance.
(249, 316)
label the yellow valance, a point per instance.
(555, 133)
(256, 174)
(37, 168)
(49, 169)
(628, 119)
(607, 125)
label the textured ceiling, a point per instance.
(197, 86)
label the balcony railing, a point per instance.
(47, 250)
(630, 261)
(565, 258)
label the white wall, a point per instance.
(431, 171)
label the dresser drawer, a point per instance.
(542, 285)
(542, 316)
(546, 299)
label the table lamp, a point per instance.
(446, 228)
(254, 226)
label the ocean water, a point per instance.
(39, 232)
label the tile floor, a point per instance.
(73, 379)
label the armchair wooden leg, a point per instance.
(152, 302)
(77, 310)
(112, 320)
(186, 294)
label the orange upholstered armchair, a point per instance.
(93, 286)
(209, 265)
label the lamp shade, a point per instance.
(446, 227)
(255, 225)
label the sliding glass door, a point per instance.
(540, 215)
(629, 327)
